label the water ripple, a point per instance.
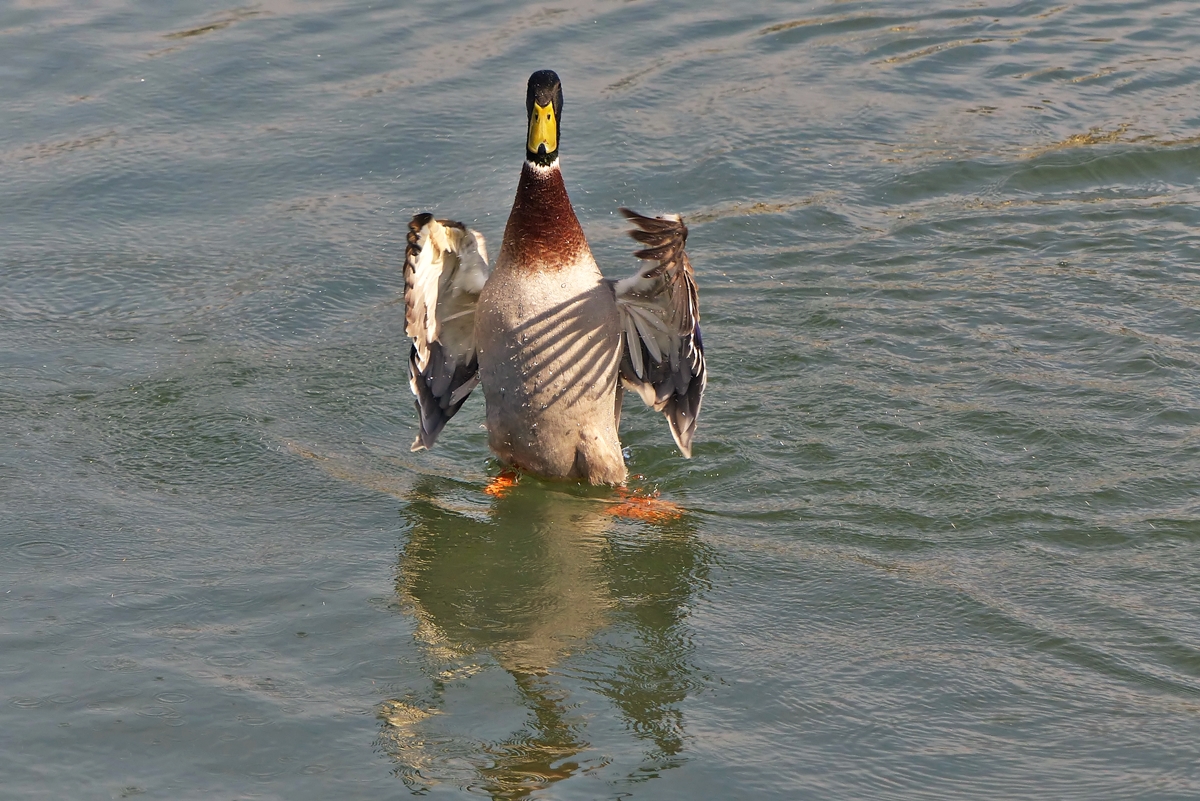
(940, 528)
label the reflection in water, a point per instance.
(502, 597)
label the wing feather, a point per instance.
(445, 267)
(663, 358)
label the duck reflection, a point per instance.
(502, 597)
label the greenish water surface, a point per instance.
(942, 528)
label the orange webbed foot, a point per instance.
(502, 484)
(648, 507)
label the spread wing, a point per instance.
(663, 354)
(445, 267)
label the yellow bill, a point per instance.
(543, 129)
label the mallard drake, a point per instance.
(552, 341)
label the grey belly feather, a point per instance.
(549, 351)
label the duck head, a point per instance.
(543, 106)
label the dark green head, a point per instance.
(543, 106)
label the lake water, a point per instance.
(941, 534)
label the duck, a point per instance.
(553, 343)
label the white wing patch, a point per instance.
(663, 352)
(445, 268)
